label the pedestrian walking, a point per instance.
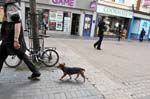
(44, 26)
(13, 42)
(142, 34)
(119, 32)
(102, 28)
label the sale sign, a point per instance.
(67, 3)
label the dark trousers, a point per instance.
(141, 38)
(21, 55)
(98, 43)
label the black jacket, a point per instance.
(102, 28)
(7, 34)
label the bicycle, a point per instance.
(46, 55)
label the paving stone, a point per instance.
(121, 73)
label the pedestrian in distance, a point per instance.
(44, 26)
(102, 28)
(119, 32)
(13, 42)
(142, 34)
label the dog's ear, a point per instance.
(64, 64)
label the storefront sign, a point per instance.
(114, 11)
(93, 4)
(146, 2)
(67, 3)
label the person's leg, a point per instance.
(119, 37)
(96, 43)
(3, 55)
(99, 42)
(142, 38)
(30, 65)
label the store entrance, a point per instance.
(75, 24)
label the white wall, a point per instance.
(93, 25)
(81, 24)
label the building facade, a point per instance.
(131, 15)
(70, 17)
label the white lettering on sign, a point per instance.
(114, 11)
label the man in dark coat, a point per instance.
(102, 28)
(142, 35)
(13, 42)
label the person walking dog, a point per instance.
(13, 42)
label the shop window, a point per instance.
(51, 19)
(45, 17)
(67, 21)
(115, 25)
(28, 18)
(56, 20)
(59, 20)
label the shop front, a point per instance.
(62, 16)
(71, 17)
(139, 22)
(116, 20)
(55, 21)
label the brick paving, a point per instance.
(15, 85)
(119, 71)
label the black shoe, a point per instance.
(34, 76)
(94, 46)
(99, 49)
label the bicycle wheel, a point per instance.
(50, 57)
(13, 61)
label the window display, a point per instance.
(113, 23)
(52, 19)
(59, 20)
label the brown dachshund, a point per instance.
(71, 70)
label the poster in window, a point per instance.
(67, 24)
(52, 19)
(87, 25)
(45, 15)
(59, 22)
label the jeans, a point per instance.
(21, 55)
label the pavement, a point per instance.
(119, 71)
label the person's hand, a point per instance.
(16, 44)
